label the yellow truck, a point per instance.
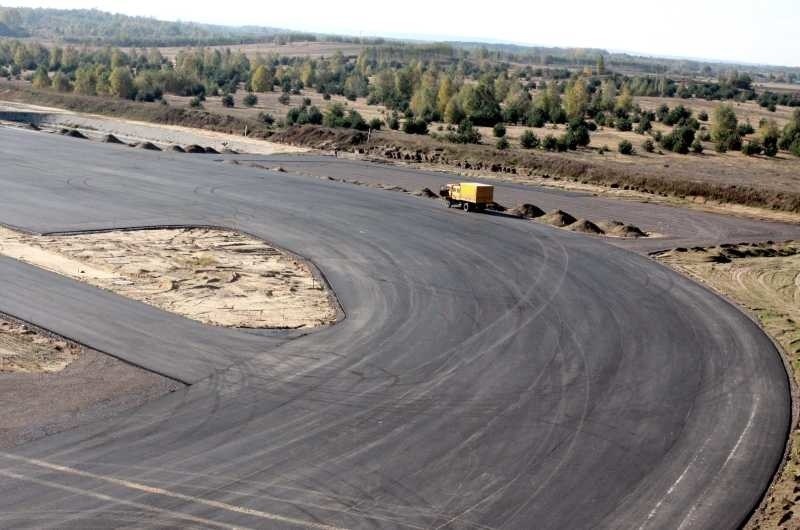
(471, 196)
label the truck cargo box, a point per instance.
(473, 192)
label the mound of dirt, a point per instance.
(319, 137)
(33, 126)
(194, 148)
(149, 146)
(111, 139)
(279, 169)
(585, 227)
(620, 229)
(177, 149)
(73, 133)
(211, 151)
(496, 207)
(426, 193)
(227, 151)
(558, 218)
(527, 211)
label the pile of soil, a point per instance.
(426, 193)
(496, 206)
(149, 146)
(211, 151)
(111, 139)
(194, 148)
(279, 169)
(320, 137)
(619, 229)
(585, 226)
(527, 211)
(177, 149)
(228, 151)
(73, 133)
(33, 127)
(558, 218)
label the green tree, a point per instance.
(121, 83)
(625, 100)
(480, 105)
(576, 99)
(61, 82)
(724, 129)
(499, 130)
(85, 81)
(770, 135)
(601, 65)
(40, 78)
(261, 80)
(444, 94)
(625, 147)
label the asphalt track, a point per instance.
(488, 373)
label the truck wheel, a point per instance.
(467, 207)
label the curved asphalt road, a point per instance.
(489, 373)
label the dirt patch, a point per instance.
(527, 211)
(620, 229)
(217, 277)
(558, 218)
(23, 350)
(57, 385)
(426, 193)
(765, 279)
(320, 137)
(585, 226)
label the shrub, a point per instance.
(306, 102)
(644, 125)
(577, 133)
(702, 115)
(196, 103)
(529, 140)
(697, 147)
(502, 143)
(376, 124)
(284, 98)
(677, 115)
(415, 126)
(648, 146)
(227, 100)
(549, 143)
(465, 134)
(266, 118)
(536, 118)
(393, 123)
(623, 124)
(745, 128)
(499, 130)
(753, 147)
(304, 115)
(625, 147)
(326, 96)
(249, 100)
(563, 143)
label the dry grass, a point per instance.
(24, 350)
(765, 279)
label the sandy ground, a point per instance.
(23, 350)
(765, 279)
(48, 385)
(217, 277)
(96, 126)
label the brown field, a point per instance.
(294, 49)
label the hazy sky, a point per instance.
(765, 31)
